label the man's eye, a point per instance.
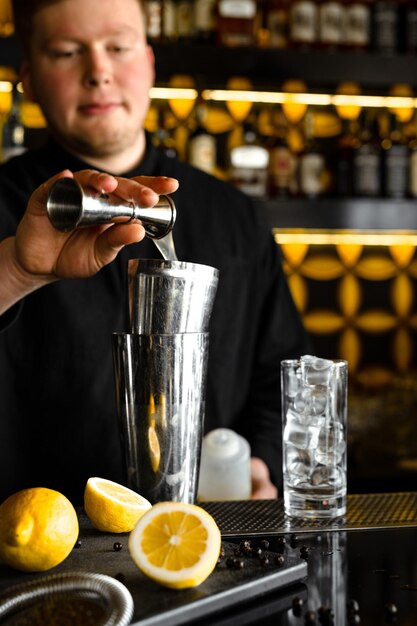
(63, 54)
(119, 48)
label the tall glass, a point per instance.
(314, 415)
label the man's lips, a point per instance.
(98, 108)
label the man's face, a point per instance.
(90, 70)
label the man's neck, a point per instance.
(119, 163)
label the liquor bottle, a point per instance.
(347, 144)
(169, 21)
(276, 20)
(396, 161)
(408, 27)
(236, 22)
(412, 163)
(281, 169)
(303, 23)
(367, 157)
(163, 139)
(205, 20)
(385, 26)
(249, 162)
(357, 25)
(185, 20)
(311, 162)
(331, 24)
(153, 10)
(13, 130)
(202, 148)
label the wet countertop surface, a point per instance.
(323, 572)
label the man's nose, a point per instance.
(98, 69)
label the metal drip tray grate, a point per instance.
(266, 517)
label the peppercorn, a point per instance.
(279, 559)
(297, 606)
(120, 577)
(354, 619)
(230, 562)
(264, 560)
(256, 552)
(78, 543)
(391, 612)
(353, 606)
(304, 552)
(310, 618)
(265, 544)
(117, 546)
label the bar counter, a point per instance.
(362, 570)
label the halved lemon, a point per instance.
(112, 507)
(176, 544)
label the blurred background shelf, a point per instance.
(375, 214)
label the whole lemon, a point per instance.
(38, 529)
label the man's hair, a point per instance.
(23, 13)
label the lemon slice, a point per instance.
(111, 507)
(176, 544)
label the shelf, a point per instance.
(211, 66)
(373, 214)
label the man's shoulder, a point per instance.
(28, 169)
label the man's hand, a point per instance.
(42, 250)
(262, 487)
(40, 254)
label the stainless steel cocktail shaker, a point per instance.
(160, 371)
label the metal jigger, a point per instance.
(70, 206)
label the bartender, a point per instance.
(89, 67)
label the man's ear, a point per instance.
(26, 81)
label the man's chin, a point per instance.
(96, 146)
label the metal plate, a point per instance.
(266, 517)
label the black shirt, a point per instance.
(58, 422)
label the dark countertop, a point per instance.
(373, 567)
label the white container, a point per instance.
(225, 466)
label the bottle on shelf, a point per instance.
(312, 162)
(347, 144)
(412, 161)
(162, 138)
(202, 147)
(357, 33)
(276, 21)
(303, 23)
(153, 10)
(281, 169)
(205, 20)
(408, 27)
(367, 157)
(236, 22)
(169, 21)
(13, 130)
(396, 161)
(331, 21)
(385, 26)
(249, 161)
(185, 24)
